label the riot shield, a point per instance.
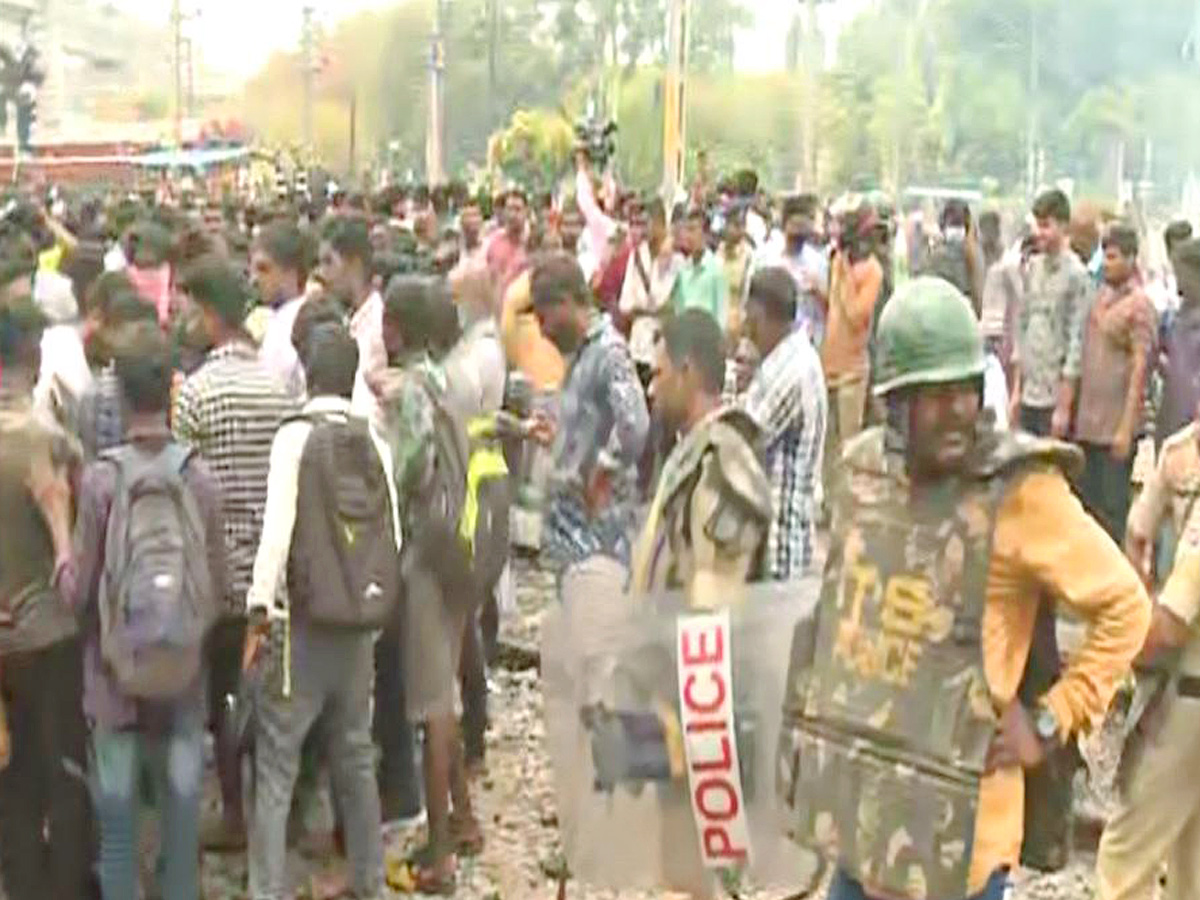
(662, 724)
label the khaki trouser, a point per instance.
(1158, 817)
(847, 404)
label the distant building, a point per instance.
(102, 66)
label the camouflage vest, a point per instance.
(729, 439)
(888, 715)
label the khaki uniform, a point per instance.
(706, 534)
(1158, 816)
(707, 526)
(1172, 487)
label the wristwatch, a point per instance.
(1045, 724)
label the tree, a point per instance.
(713, 25)
(534, 150)
(939, 90)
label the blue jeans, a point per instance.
(846, 888)
(176, 762)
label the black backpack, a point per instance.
(344, 568)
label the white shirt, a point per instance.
(995, 391)
(661, 273)
(756, 228)
(809, 266)
(366, 327)
(475, 371)
(65, 375)
(268, 586)
(277, 352)
(589, 260)
(54, 293)
(114, 259)
(600, 225)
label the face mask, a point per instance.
(956, 234)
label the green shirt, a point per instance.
(408, 424)
(702, 285)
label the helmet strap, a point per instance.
(896, 424)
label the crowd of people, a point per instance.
(257, 466)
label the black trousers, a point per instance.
(1105, 489)
(399, 785)
(225, 645)
(46, 838)
(1036, 420)
(480, 649)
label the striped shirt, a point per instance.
(101, 415)
(229, 410)
(787, 399)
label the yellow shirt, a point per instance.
(525, 347)
(1046, 544)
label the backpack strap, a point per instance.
(178, 456)
(310, 418)
(122, 457)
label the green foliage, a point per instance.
(534, 150)
(503, 56)
(922, 90)
(1105, 71)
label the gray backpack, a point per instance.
(156, 593)
(436, 507)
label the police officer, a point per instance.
(1158, 811)
(904, 740)
(704, 539)
(706, 530)
(707, 525)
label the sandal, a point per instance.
(427, 880)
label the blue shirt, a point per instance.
(602, 422)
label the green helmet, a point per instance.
(928, 334)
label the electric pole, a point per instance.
(307, 48)
(1191, 52)
(191, 77)
(674, 101)
(177, 41)
(493, 10)
(437, 66)
(1031, 149)
(809, 41)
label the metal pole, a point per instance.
(903, 51)
(433, 139)
(191, 79)
(1031, 185)
(493, 51)
(674, 101)
(353, 129)
(808, 41)
(177, 41)
(306, 57)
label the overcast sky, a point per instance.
(237, 36)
